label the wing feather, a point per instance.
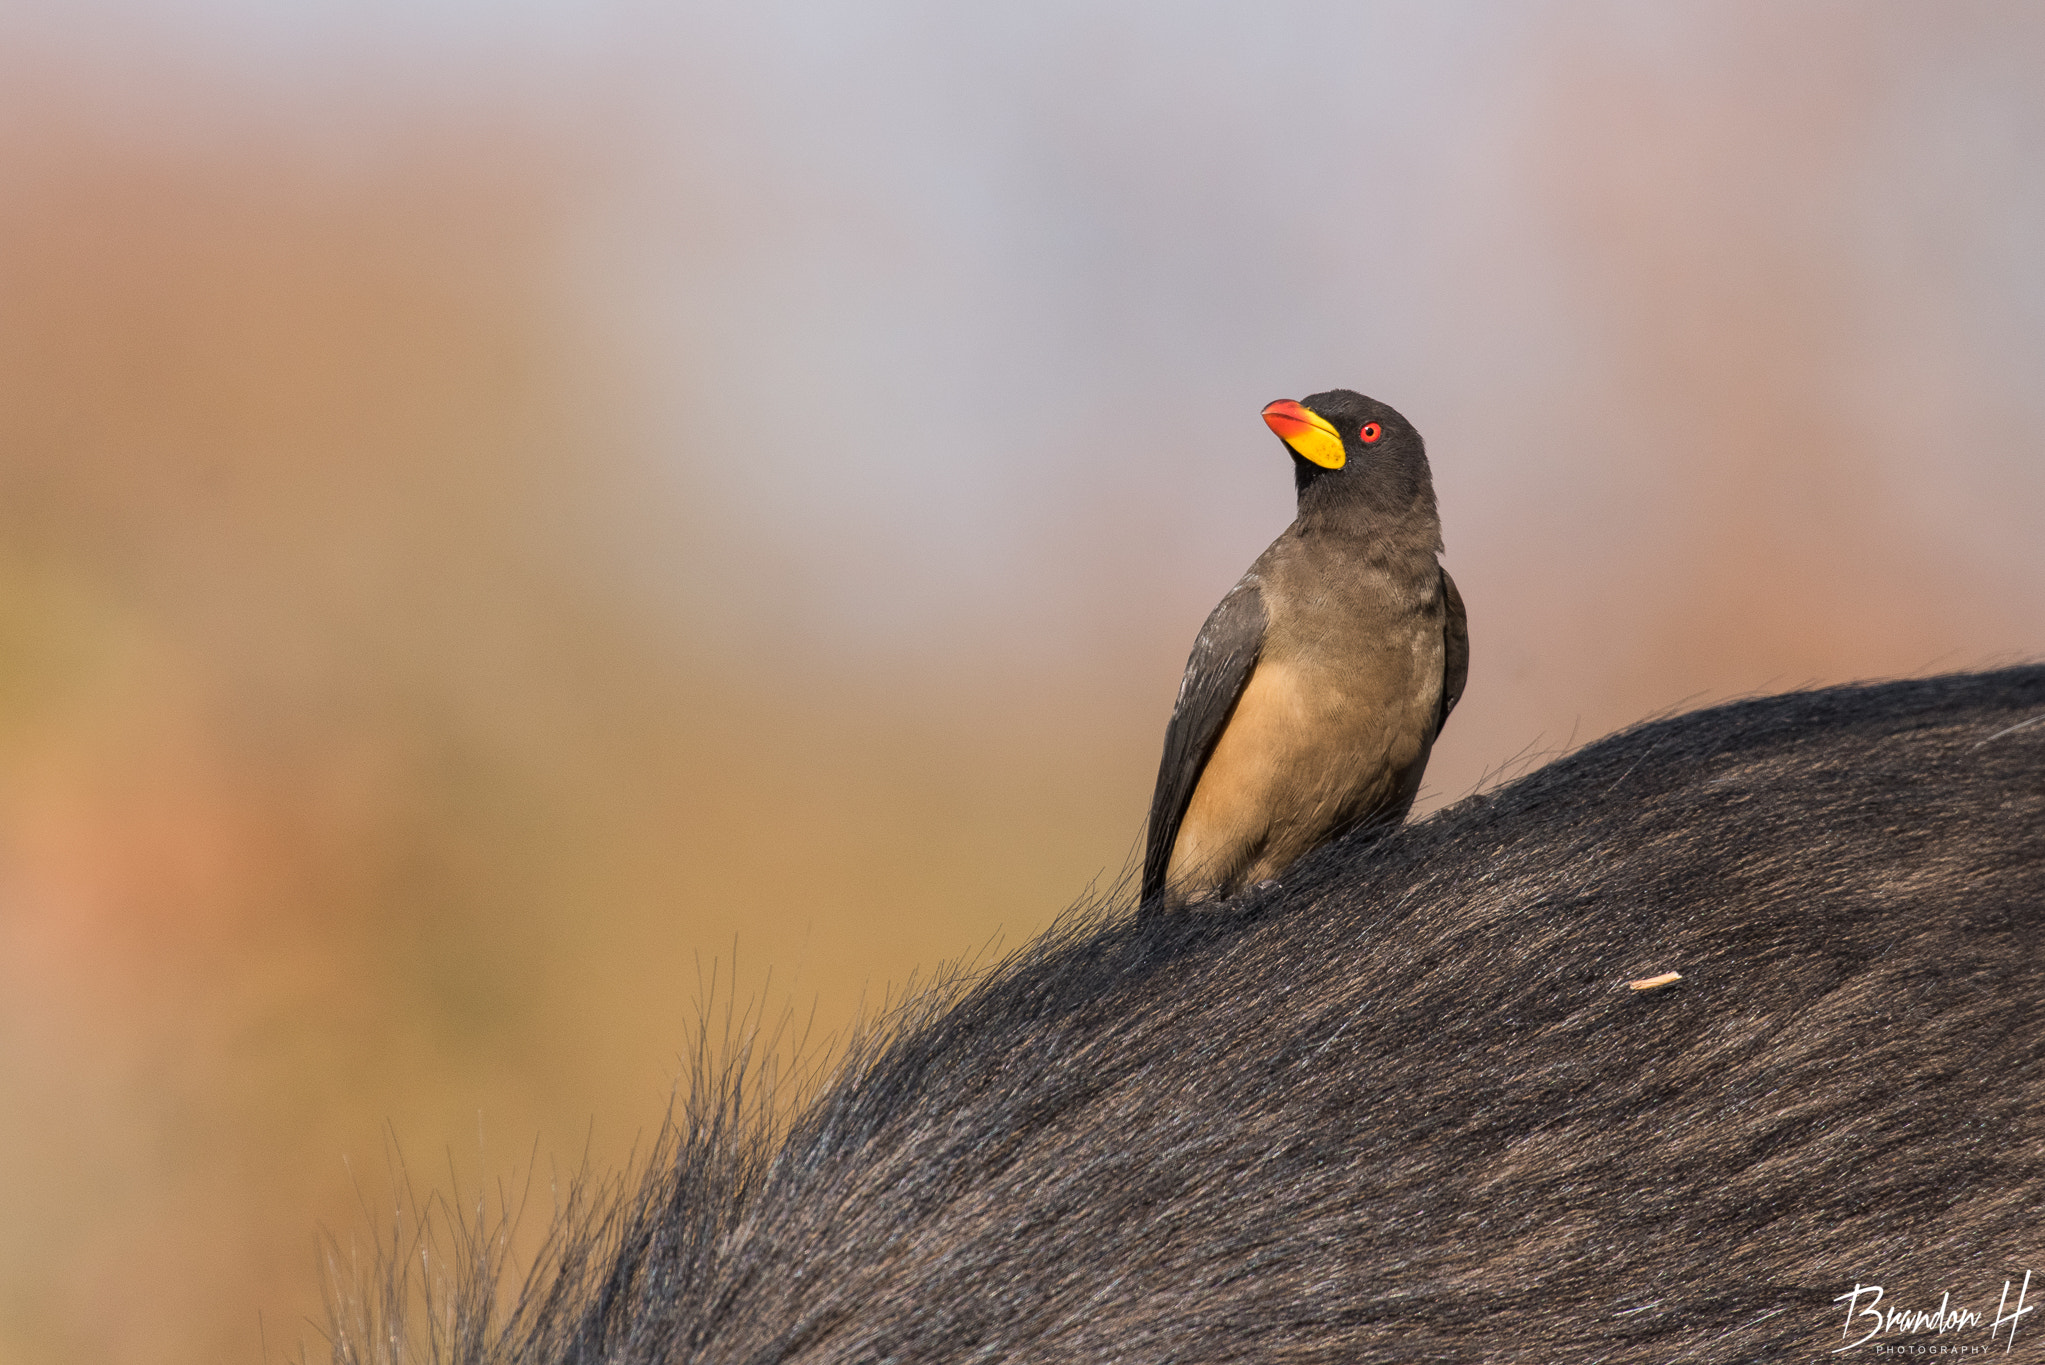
(1224, 656)
(1455, 664)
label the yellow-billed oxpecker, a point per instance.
(1317, 687)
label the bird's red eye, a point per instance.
(1371, 431)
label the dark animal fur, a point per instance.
(1404, 1108)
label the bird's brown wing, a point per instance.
(1224, 656)
(1455, 663)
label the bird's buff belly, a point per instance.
(1302, 758)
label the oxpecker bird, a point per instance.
(1317, 688)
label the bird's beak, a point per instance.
(1308, 433)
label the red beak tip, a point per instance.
(1285, 417)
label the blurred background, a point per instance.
(504, 507)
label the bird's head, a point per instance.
(1354, 451)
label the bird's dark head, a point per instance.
(1352, 452)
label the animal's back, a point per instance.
(1406, 1107)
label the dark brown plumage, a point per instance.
(1317, 687)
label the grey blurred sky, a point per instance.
(936, 330)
